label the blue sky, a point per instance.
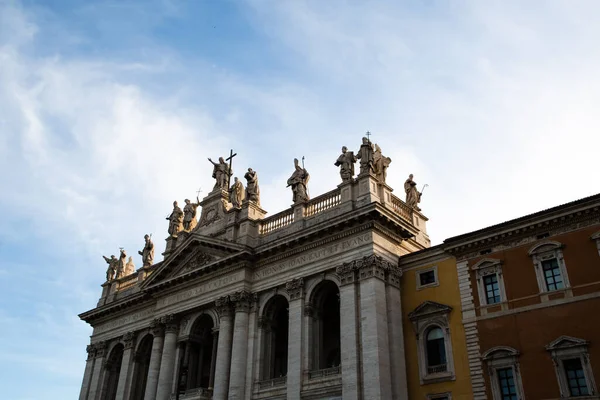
(109, 109)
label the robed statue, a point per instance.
(299, 181)
(221, 173)
(147, 252)
(189, 214)
(236, 193)
(175, 220)
(413, 197)
(112, 267)
(252, 189)
(346, 162)
(365, 155)
(380, 164)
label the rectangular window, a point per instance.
(492, 290)
(427, 278)
(552, 276)
(575, 377)
(506, 381)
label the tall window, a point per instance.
(552, 275)
(275, 324)
(503, 366)
(492, 290)
(325, 326)
(575, 377)
(506, 382)
(112, 372)
(436, 351)
(141, 368)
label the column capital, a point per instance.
(157, 329)
(223, 306)
(171, 323)
(242, 300)
(347, 272)
(91, 351)
(295, 288)
(100, 348)
(128, 340)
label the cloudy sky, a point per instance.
(109, 110)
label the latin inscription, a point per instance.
(123, 321)
(311, 256)
(199, 290)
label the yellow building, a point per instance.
(434, 336)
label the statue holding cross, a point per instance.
(222, 172)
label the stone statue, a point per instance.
(413, 197)
(346, 163)
(147, 252)
(121, 264)
(365, 155)
(175, 220)
(129, 267)
(189, 214)
(299, 181)
(380, 164)
(236, 193)
(112, 267)
(252, 189)
(221, 173)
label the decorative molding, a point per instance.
(295, 288)
(200, 259)
(157, 328)
(223, 306)
(309, 310)
(548, 250)
(128, 340)
(436, 281)
(91, 351)
(503, 357)
(170, 322)
(346, 273)
(242, 300)
(101, 348)
(371, 266)
(569, 348)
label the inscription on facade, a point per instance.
(127, 319)
(200, 290)
(310, 256)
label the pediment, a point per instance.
(486, 263)
(197, 254)
(428, 309)
(500, 352)
(565, 342)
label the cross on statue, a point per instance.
(369, 136)
(198, 192)
(230, 159)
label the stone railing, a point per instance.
(194, 394)
(272, 383)
(435, 369)
(277, 221)
(320, 373)
(323, 202)
(401, 208)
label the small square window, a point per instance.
(427, 278)
(575, 377)
(492, 290)
(552, 275)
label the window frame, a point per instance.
(440, 396)
(501, 357)
(596, 237)
(568, 348)
(483, 268)
(436, 281)
(544, 251)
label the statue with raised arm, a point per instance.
(189, 214)
(147, 252)
(121, 265)
(252, 189)
(380, 164)
(365, 155)
(175, 220)
(236, 193)
(299, 181)
(346, 163)
(112, 267)
(413, 197)
(221, 173)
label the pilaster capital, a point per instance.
(347, 272)
(170, 322)
(242, 300)
(157, 329)
(223, 306)
(91, 351)
(393, 275)
(295, 288)
(372, 266)
(100, 348)
(128, 340)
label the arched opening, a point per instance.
(435, 351)
(275, 325)
(113, 369)
(198, 356)
(325, 329)
(141, 366)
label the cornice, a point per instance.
(137, 300)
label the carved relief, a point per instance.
(346, 272)
(242, 300)
(200, 259)
(295, 288)
(100, 349)
(209, 216)
(128, 340)
(223, 306)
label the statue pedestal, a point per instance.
(171, 244)
(368, 189)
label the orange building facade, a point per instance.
(530, 303)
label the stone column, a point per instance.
(374, 328)
(307, 363)
(167, 362)
(155, 358)
(239, 352)
(349, 332)
(98, 369)
(123, 385)
(396, 335)
(213, 360)
(295, 289)
(252, 339)
(87, 375)
(224, 349)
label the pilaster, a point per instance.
(396, 334)
(87, 375)
(124, 374)
(167, 363)
(295, 290)
(100, 355)
(155, 359)
(237, 382)
(252, 344)
(222, 368)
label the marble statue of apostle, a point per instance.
(112, 267)
(121, 265)
(129, 267)
(413, 197)
(252, 189)
(365, 155)
(175, 220)
(221, 173)
(299, 181)
(189, 214)
(380, 164)
(147, 252)
(346, 162)
(236, 193)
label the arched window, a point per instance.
(113, 369)
(140, 368)
(436, 351)
(325, 326)
(275, 325)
